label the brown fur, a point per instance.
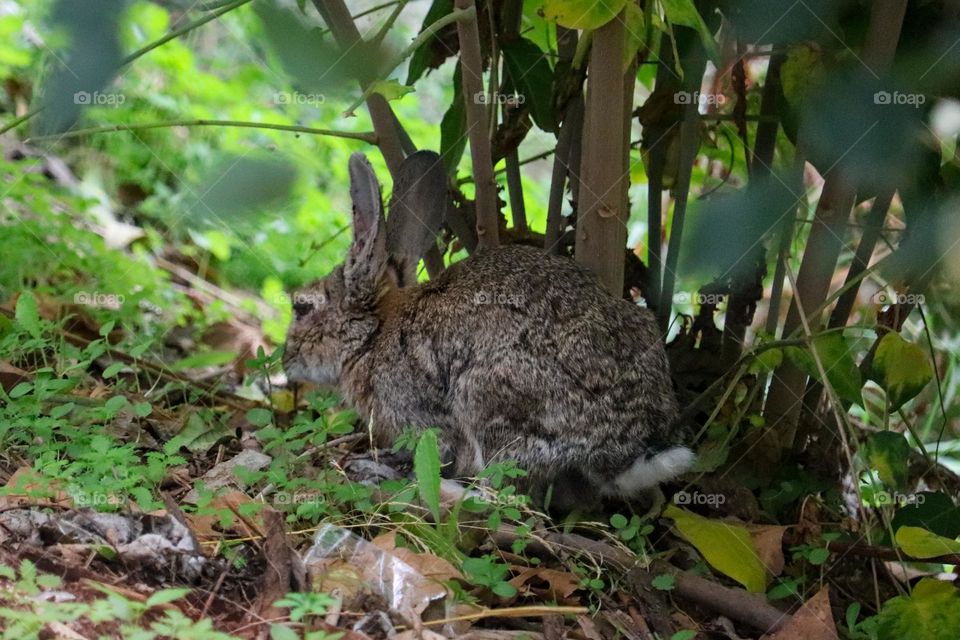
(511, 353)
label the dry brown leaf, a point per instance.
(222, 475)
(589, 628)
(28, 487)
(428, 565)
(11, 376)
(236, 336)
(769, 543)
(560, 584)
(206, 527)
(813, 621)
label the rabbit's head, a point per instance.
(334, 317)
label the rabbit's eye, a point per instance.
(302, 308)
(304, 303)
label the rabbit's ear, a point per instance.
(417, 209)
(367, 258)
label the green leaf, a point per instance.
(116, 403)
(818, 556)
(233, 186)
(106, 328)
(113, 370)
(6, 326)
(504, 589)
(27, 314)
(204, 359)
(766, 361)
(934, 511)
(22, 389)
(634, 26)
(683, 12)
(920, 543)
(685, 634)
(618, 521)
(727, 547)
(283, 632)
(390, 89)
(582, 14)
(426, 466)
(164, 596)
(931, 612)
(260, 417)
(453, 128)
(836, 356)
(664, 582)
(530, 75)
(422, 58)
(888, 453)
(901, 368)
(142, 409)
(197, 435)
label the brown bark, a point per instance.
(601, 219)
(471, 67)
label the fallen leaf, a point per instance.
(560, 584)
(26, 487)
(768, 541)
(11, 376)
(813, 621)
(222, 475)
(206, 526)
(728, 547)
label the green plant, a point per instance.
(487, 571)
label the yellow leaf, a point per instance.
(920, 543)
(727, 547)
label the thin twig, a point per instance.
(426, 34)
(364, 136)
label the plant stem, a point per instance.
(365, 136)
(176, 33)
(458, 15)
(471, 65)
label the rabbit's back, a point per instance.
(517, 354)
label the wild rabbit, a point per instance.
(511, 353)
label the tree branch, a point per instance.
(471, 65)
(601, 219)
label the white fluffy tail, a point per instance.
(645, 473)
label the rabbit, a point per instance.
(511, 353)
